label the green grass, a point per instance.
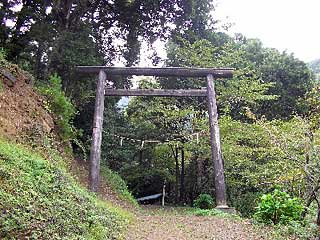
(296, 230)
(213, 212)
(176, 211)
(39, 200)
(118, 185)
(292, 230)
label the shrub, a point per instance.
(278, 207)
(2, 54)
(61, 106)
(3, 62)
(245, 203)
(204, 201)
(213, 212)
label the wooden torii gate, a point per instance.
(209, 73)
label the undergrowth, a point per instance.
(118, 185)
(204, 201)
(297, 229)
(278, 207)
(39, 200)
(60, 106)
(213, 212)
(4, 64)
(292, 230)
(283, 213)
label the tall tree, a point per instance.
(291, 77)
(245, 90)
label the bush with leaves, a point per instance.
(204, 201)
(61, 106)
(245, 203)
(278, 207)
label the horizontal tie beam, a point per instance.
(157, 92)
(159, 72)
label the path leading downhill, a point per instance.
(155, 223)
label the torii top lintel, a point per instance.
(159, 71)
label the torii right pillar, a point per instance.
(219, 178)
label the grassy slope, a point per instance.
(39, 200)
(118, 185)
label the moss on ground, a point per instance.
(39, 200)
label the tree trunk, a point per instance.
(199, 174)
(177, 175)
(140, 157)
(3, 28)
(182, 191)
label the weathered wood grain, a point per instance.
(159, 72)
(157, 92)
(219, 179)
(95, 152)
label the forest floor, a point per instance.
(155, 223)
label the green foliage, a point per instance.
(61, 35)
(39, 200)
(245, 90)
(315, 67)
(65, 32)
(263, 78)
(299, 230)
(278, 207)
(203, 201)
(61, 107)
(146, 168)
(311, 105)
(2, 54)
(291, 77)
(245, 203)
(118, 185)
(257, 157)
(212, 212)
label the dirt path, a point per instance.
(154, 223)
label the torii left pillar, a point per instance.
(95, 152)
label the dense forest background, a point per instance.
(269, 111)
